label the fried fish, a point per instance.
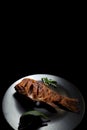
(38, 91)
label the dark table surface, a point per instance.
(14, 69)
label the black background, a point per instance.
(66, 61)
(37, 42)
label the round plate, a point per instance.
(63, 120)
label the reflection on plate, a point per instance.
(62, 120)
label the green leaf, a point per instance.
(32, 120)
(35, 113)
(49, 82)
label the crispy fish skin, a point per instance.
(38, 91)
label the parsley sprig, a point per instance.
(49, 82)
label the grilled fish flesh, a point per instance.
(38, 91)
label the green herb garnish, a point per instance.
(32, 120)
(49, 82)
(35, 113)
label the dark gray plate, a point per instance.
(62, 120)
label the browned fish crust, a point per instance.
(38, 91)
